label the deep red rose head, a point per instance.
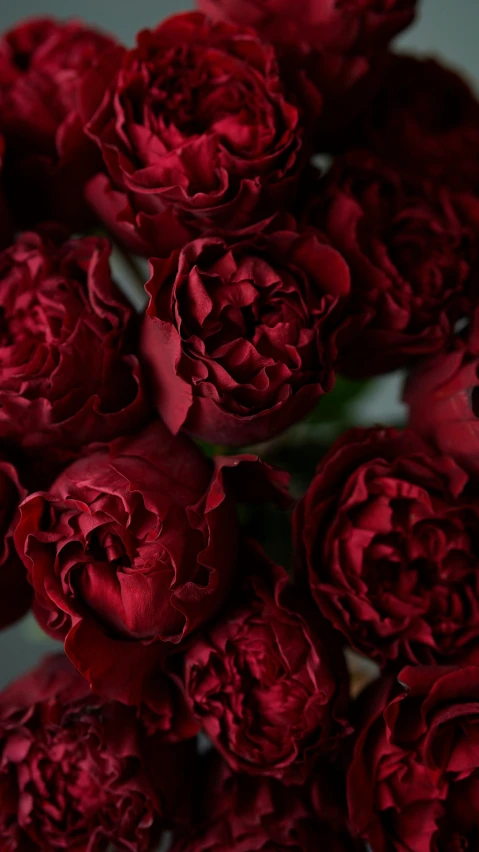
(239, 338)
(443, 398)
(196, 134)
(424, 118)
(67, 372)
(79, 774)
(247, 814)
(132, 550)
(413, 252)
(265, 683)
(334, 26)
(387, 536)
(42, 63)
(15, 591)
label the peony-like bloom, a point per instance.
(387, 536)
(412, 248)
(414, 780)
(68, 375)
(247, 814)
(443, 398)
(133, 548)
(239, 338)
(15, 591)
(42, 63)
(196, 134)
(79, 774)
(267, 683)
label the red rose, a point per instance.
(42, 62)
(239, 337)
(424, 118)
(15, 591)
(196, 135)
(414, 780)
(261, 815)
(131, 550)
(413, 251)
(68, 375)
(443, 395)
(387, 536)
(265, 683)
(79, 774)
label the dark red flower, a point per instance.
(132, 550)
(15, 591)
(239, 338)
(413, 251)
(196, 134)
(266, 682)
(79, 774)
(388, 539)
(42, 62)
(414, 779)
(67, 372)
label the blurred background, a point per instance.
(446, 29)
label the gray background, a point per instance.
(447, 28)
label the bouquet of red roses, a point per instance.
(268, 612)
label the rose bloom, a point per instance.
(260, 815)
(443, 398)
(15, 591)
(133, 548)
(387, 537)
(239, 337)
(266, 681)
(414, 779)
(196, 134)
(79, 774)
(42, 63)
(68, 375)
(424, 118)
(412, 249)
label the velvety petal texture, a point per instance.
(15, 591)
(239, 338)
(387, 538)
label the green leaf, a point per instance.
(333, 406)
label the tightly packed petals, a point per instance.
(196, 134)
(78, 774)
(266, 681)
(387, 536)
(132, 549)
(240, 338)
(68, 375)
(412, 248)
(42, 62)
(414, 779)
(15, 591)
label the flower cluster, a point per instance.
(187, 502)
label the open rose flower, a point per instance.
(79, 774)
(239, 338)
(414, 780)
(67, 372)
(267, 683)
(413, 252)
(131, 550)
(388, 538)
(196, 134)
(42, 63)
(15, 591)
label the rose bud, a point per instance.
(413, 781)
(68, 375)
(425, 119)
(239, 338)
(266, 681)
(15, 591)
(77, 773)
(196, 134)
(42, 63)
(443, 394)
(412, 249)
(387, 537)
(133, 548)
